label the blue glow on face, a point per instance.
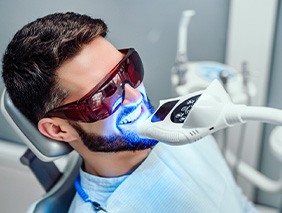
(113, 143)
(117, 103)
(127, 140)
(129, 132)
(127, 110)
(134, 142)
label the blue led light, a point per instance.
(129, 134)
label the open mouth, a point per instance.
(131, 117)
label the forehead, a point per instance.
(85, 70)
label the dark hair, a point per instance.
(36, 52)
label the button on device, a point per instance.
(179, 115)
(181, 112)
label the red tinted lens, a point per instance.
(135, 69)
(104, 99)
(99, 108)
(130, 69)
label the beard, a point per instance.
(127, 141)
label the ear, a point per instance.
(56, 129)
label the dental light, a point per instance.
(189, 118)
(190, 76)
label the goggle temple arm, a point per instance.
(72, 112)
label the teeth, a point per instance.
(132, 116)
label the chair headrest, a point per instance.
(44, 148)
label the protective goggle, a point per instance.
(106, 97)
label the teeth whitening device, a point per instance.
(205, 106)
(189, 118)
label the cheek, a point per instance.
(103, 127)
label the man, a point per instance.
(85, 92)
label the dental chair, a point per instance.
(53, 163)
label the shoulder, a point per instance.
(201, 151)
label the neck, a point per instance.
(114, 164)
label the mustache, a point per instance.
(129, 109)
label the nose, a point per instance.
(131, 95)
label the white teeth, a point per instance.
(132, 116)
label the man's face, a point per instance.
(118, 131)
